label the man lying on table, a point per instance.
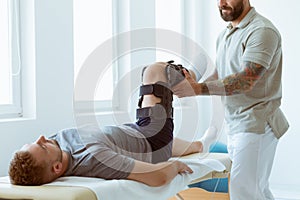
(137, 151)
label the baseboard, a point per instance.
(290, 192)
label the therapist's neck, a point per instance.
(235, 22)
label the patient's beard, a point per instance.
(60, 157)
(60, 154)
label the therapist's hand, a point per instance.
(187, 87)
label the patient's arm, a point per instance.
(157, 174)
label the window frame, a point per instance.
(114, 103)
(122, 21)
(15, 108)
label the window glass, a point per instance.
(168, 16)
(92, 27)
(5, 65)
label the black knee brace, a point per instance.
(161, 91)
(174, 74)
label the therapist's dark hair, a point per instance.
(24, 169)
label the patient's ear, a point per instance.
(57, 167)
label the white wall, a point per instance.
(53, 78)
(285, 15)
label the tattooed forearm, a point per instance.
(236, 83)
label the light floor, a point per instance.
(284, 193)
(198, 193)
(287, 199)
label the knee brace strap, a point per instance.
(157, 111)
(161, 91)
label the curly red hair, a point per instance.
(25, 170)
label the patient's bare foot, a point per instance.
(208, 138)
(196, 147)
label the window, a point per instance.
(10, 62)
(92, 27)
(5, 79)
(97, 21)
(167, 11)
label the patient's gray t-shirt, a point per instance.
(95, 152)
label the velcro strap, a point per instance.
(144, 112)
(157, 111)
(156, 89)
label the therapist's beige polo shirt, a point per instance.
(255, 39)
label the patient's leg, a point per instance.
(182, 147)
(154, 114)
(208, 138)
(153, 74)
(157, 73)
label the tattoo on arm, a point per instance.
(236, 83)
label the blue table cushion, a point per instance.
(216, 184)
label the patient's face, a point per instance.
(44, 150)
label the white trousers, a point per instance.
(252, 158)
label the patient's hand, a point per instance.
(157, 174)
(187, 87)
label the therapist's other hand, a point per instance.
(187, 87)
